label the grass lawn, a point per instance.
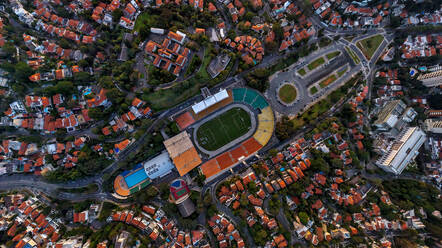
(370, 45)
(311, 114)
(193, 66)
(223, 129)
(287, 93)
(313, 90)
(342, 71)
(330, 79)
(298, 123)
(316, 63)
(144, 20)
(167, 98)
(353, 55)
(202, 73)
(333, 55)
(302, 72)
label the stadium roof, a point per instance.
(178, 144)
(200, 106)
(186, 207)
(183, 153)
(158, 166)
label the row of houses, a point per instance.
(251, 48)
(137, 110)
(160, 229)
(295, 33)
(425, 18)
(39, 118)
(131, 12)
(226, 233)
(20, 156)
(366, 16)
(48, 48)
(76, 30)
(421, 46)
(28, 225)
(171, 55)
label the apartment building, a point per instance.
(402, 150)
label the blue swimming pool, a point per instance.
(135, 178)
(87, 91)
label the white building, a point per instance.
(432, 79)
(402, 150)
(157, 31)
(158, 166)
(18, 107)
(209, 101)
(434, 126)
(390, 114)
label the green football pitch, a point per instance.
(224, 128)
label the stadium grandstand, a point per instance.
(252, 145)
(266, 124)
(250, 97)
(131, 181)
(209, 101)
(230, 158)
(210, 104)
(182, 152)
(201, 109)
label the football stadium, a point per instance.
(223, 129)
(235, 126)
(216, 134)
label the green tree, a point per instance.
(260, 236)
(296, 189)
(22, 72)
(82, 77)
(117, 14)
(284, 128)
(303, 217)
(106, 82)
(207, 199)
(65, 87)
(243, 200)
(279, 32)
(96, 113)
(321, 165)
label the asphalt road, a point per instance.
(304, 99)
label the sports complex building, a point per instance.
(142, 174)
(216, 134)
